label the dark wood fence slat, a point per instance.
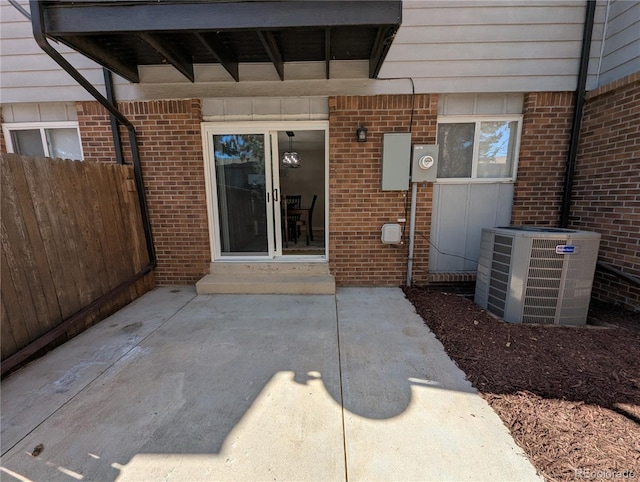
(9, 344)
(78, 267)
(39, 273)
(18, 263)
(48, 212)
(94, 184)
(71, 232)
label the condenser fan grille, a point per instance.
(528, 275)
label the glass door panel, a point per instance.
(241, 185)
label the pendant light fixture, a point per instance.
(291, 158)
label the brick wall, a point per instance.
(358, 207)
(95, 132)
(3, 143)
(546, 129)
(170, 146)
(606, 195)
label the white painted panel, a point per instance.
(621, 50)
(492, 46)
(480, 104)
(489, 206)
(57, 111)
(479, 50)
(28, 74)
(461, 104)
(266, 108)
(460, 213)
(622, 15)
(482, 204)
(415, 4)
(486, 34)
(505, 204)
(319, 106)
(9, 13)
(46, 79)
(40, 63)
(628, 53)
(522, 83)
(483, 69)
(523, 14)
(448, 227)
(25, 113)
(42, 112)
(17, 46)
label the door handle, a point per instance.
(275, 195)
(268, 200)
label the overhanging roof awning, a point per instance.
(122, 35)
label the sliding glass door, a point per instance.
(244, 170)
(242, 188)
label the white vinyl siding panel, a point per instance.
(30, 75)
(621, 52)
(492, 46)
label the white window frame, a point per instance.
(476, 143)
(8, 128)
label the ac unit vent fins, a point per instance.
(537, 275)
(500, 265)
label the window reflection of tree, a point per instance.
(456, 149)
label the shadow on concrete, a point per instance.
(234, 371)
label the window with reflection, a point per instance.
(478, 148)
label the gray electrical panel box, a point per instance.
(424, 165)
(396, 158)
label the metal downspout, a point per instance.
(115, 132)
(32, 348)
(577, 113)
(37, 21)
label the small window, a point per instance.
(50, 139)
(478, 148)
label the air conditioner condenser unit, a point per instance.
(537, 275)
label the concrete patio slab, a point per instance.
(251, 387)
(410, 414)
(40, 388)
(230, 388)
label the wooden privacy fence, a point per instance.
(71, 232)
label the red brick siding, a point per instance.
(95, 132)
(3, 143)
(606, 195)
(170, 146)
(544, 144)
(357, 206)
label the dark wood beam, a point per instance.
(174, 55)
(103, 56)
(327, 52)
(380, 48)
(144, 16)
(224, 55)
(270, 45)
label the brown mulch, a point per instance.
(569, 395)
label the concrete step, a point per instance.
(269, 283)
(231, 268)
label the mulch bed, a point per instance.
(569, 395)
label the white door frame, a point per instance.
(269, 130)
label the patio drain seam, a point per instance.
(344, 433)
(93, 380)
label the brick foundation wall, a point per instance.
(544, 144)
(170, 145)
(606, 194)
(358, 207)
